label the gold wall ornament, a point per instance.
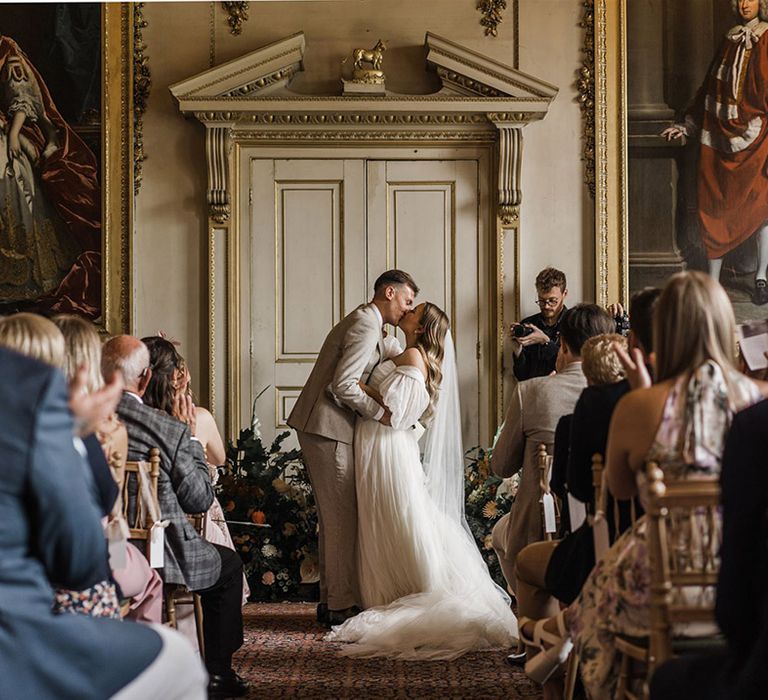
(491, 19)
(237, 13)
(142, 84)
(217, 154)
(367, 74)
(585, 84)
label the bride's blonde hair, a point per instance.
(431, 343)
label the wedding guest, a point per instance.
(184, 487)
(51, 535)
(536, 339)
(138, 582)
(681, 423)
(169, 390)
(739, 672)
(534, 409)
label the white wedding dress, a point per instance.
(425, 586)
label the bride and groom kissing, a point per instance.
(393, 537)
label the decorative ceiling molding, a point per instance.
(249, 100)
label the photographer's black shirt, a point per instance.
(539, 360)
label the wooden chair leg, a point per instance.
(571, 673)
(621, 687)
(170, 609)
(198, 603)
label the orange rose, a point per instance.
(258, 517)
(230, 506)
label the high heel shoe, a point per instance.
(542, 666)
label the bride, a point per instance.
(423, 581)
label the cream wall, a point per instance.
(171, 223)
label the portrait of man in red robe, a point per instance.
(729, 119)
(50, 199)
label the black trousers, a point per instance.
(223, 613)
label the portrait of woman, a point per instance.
(50, 194)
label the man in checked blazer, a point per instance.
(184, 487)
(324, 418)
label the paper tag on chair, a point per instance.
(600, 535)
(117, 537)
(156, 544)
(550, 519)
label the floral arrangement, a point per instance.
(487, 498)
(270, 509)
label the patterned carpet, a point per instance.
(284, 656)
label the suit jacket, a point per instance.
(50, 533)
(184, 487)
(351, 350)
(534, 410)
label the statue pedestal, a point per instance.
(365, 82)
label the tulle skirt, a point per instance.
(425, 586)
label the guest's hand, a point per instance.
(637, 372)
(184, 410)
(535, 337)
(616, 309)
(91, 409)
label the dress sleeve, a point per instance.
(392, 347)
(405, 395)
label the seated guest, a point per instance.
(534, 409)
(680, 423)
(51, 536)
(138, 582)
(536, 351)
(168, 390)
(740, 672)
(40, 339)
(184, 487)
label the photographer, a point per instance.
(536, 339)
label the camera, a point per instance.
(520, 331)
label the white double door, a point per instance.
(321, 231)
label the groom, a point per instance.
(324, 419)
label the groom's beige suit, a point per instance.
(324, 418)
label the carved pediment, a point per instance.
(466, 72)
(258, 73)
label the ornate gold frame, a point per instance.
(117, 164)
(605, 40)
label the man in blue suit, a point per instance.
(50, 535)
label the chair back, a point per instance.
(142, 507)
(684, 534)
(600, 486)
(550, 506)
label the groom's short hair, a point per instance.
(393, 278)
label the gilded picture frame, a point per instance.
(68, 160)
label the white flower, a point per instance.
(269, 550)
(509, 487)
(309, 570)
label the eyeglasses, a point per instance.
(552, 301)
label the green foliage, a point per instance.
(269, 505)
(487, 498)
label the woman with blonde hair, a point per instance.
(138, 582)
(681, 423)
(34, 336)
(424, 583)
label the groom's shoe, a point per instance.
(322, 613)
(337, 617)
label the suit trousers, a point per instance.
(331, 470)
(223, 613)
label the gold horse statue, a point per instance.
(374, 56)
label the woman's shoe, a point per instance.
(542, 638)
(543, 666)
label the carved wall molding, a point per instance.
(258, 135)
(217, 146)
(142, 84)
(343, 118)
(492, 15)
(283, 75)
(461, 82)
(510, 167)
(237, 14)
(585, 84)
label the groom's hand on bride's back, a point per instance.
(386, 419)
